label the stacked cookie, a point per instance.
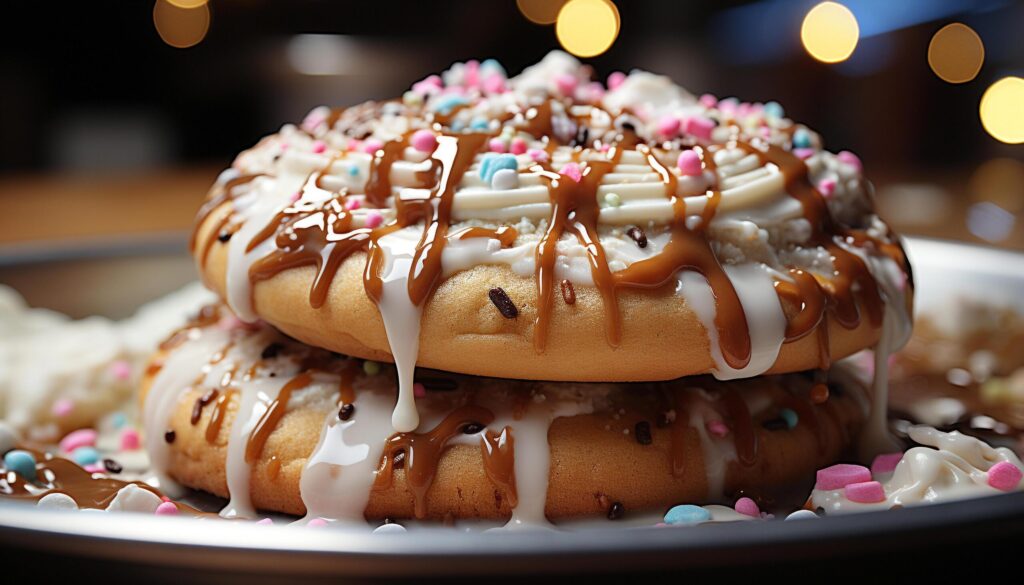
(628, 297)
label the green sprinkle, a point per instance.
(789, 416)
(371, 368)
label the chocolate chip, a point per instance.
(775, 424)
(346, 411)
(504, 304)
(224, 237)
(271, 351)
(638, 236)
(398, 460)
(472, 428)
(568, 292)
(209, 396)
(170, 435)
(112, 466)
(642, 432)
(197, 412)
(616, 511)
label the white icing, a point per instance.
(132, 498)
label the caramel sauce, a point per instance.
(275, 411)
(220, 407)
(499, 454)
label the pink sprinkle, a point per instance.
(538, 155)
(1004, 476)
(129, 440)
(803, 153)
(851, 159)
(865, 492)
(121, 370)
(428, 86)
(424, 141)
(494, 83)
(372, 145)
(616, 79)
(841, 475)
(313, 119)
(419, 390)
(708, 101)
(699, 127)
(595, 92)
(496, 145)
(165, 499)
(743, 110)
(518, 146)
(573, 171)
(167, 509)
(373, 220)
(62, 407)
(717, 428)
(265, 522)
(689, 163)
(352, 204)
(471, 73)
(827, 187)
(606, 147)
(76, 439)
(94, 468)
(296, 196)
(748, 507)
(566, 83)
(353, 145)
(885, 463)
(319, 146)
(669, 126)
(317, 523)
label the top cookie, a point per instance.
(550, 227)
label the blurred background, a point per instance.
(116, 115)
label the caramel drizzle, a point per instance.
(422, 452)
(275, 411)
(499, 454)
(218, 198)
(220, 408)
(743, 431)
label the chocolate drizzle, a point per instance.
(272, 416)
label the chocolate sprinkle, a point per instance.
(504, 304)
(775, 424)
(616, 511)
(346, 411)
(271, 351)
(638, 236)
(568, 292)
(112, 466)
(223, 237)
(642, 433)
(197, 411)
(170, 435)
(472, 428)
(399, 460)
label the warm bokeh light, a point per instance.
(830, 32)
(1001, 181)
(587, 28)
(187, 3)
(1002, 110)
(956, 53)
(181, 27)
(540, 11)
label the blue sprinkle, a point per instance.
(774, 110)
(493, 162)
(353, 170)
(687, 515)
(478, 124)
(801, 139)
(492, 65)
(118, 420)
(789, 416)
(21, 462)
(446, 103)
(85, 455)
(457, 125)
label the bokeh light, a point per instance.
(540, 11)
(181, 27)
(830, 32)
(187, 3)
(587, 28)
(956, 53)
(1001, 181)
(1002, 110)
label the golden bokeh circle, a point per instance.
(181, 27)
(830, 32)
(956, 53)
(587, 28)
(187, 3)
(540, 11)
(1002, 110)
(1001, 181)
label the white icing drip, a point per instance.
(718, 452)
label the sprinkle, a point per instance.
(62, 407)
(419, 390)
(129, 440)
(612, 199)
(353, 171)
(616, 511)
(504, 304)
(699, 127)
(169, 436)
(865, 492)
(118, 420)
(638, 236)
(372, 145)
(352, 204)
(789, 415)
(568, 292)
(537, 155)
(493, 162)
(265, 522)
(112, 466)
(885, 463)
(411, 98)
(774, 110)
(803, 153)
(801, 138)
(85, 455)
(669, 126)
(224, 237)
(472, 428)
(615, 80)
(423, 141)
(827, 187)
(76, 439)
(573, 171)
(373, 220)
(841, 475)
(167, 509)
(94, 468)
(371, 368)
(566, 83)
(819, 393)
(1004, 476)
(21, 462)
(315, 117)
(505, 179)
(57, 501)
(717, 428)
(708, 101)
(517, 146)
(689, 163)
(802, 515)
(642, 433)
(851, 159)
(446, 103)
(496, 145)
(319, 146)
(686, 515)
(346, 411)
(296, 196)
(594, 92)
(492, 66)
(494, 83)
(121, 370)
(479, 123)
(747, 507)
(316, 523)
